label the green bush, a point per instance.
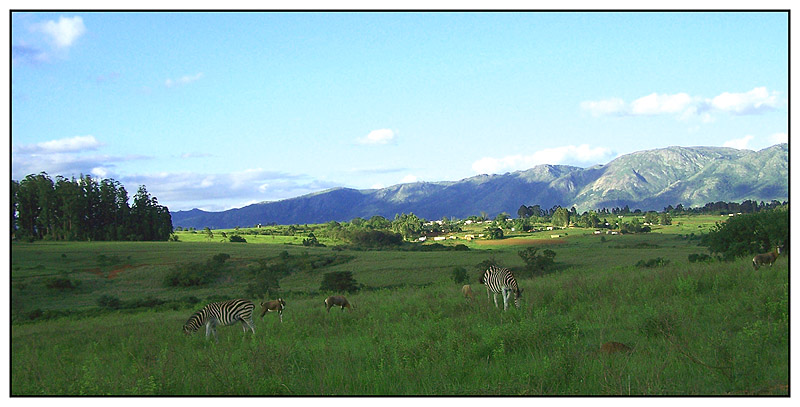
(745, 235)
(339, 281)
(459, 275)
(196, 274)
(657, 262)
(108, 301)
(62, 283)
(537, 264)
(237, 239)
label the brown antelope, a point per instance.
(273, 306)
(337, 300)
(766, 258)
(467, 291)
(614, 347)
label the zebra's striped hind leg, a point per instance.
(211, 329)
(247, 323)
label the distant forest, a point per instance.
(84, 209)
(89, 209)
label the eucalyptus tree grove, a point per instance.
(84, 209)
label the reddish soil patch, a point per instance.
(95, 271)
(120, 269)
(520, 241)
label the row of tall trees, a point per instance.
(84, 209)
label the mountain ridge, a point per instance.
(647, 180)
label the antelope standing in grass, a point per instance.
(221, 313)
(337, 300)
(500, 280)
(273, 306)
(467, 291)
(766, 258)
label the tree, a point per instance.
(339, 281)
(537, 264)
(561, 217)
(407, 225)
(494, 232)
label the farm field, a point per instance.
(693, 328)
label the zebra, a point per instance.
(500, 280)
(221, 313)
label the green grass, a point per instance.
(696, 329)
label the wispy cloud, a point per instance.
(573, 155)
(183, 80)
(221, 191)
(64, 145)
(64, 32)
(71, 156)
(51, 39)
(380, 136)
(739, 143)
(682, 105)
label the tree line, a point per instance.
(84, 209)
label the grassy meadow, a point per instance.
(693, 328)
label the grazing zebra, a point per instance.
(221, 313)
(500, 280)
(272, 306)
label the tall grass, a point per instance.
(695, 330)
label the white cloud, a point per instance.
(380, 136)
(573, 155)
(752, 102)
(610, 107)
(654, 103)
(221, 191)
(682, 105)
(740, 143)
(64, 145)
(183, 80)
(779, 138)
(409, 179)
(63, 33)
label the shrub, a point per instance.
(339, 281)
(196, 274)
(62, 283)
(700, 258)
(237, 239)
(494, 233)
(537, 264)
(459, 275)
(108, 301)
(311, 241)
(657, 262)
(749, 234)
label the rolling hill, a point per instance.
(647, 180)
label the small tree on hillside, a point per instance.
(339, 281)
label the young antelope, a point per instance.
(467, 291)
(273, 306)
(337, 300)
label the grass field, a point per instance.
(694, 328)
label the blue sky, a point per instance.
(220, 110)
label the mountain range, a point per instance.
(647, 180)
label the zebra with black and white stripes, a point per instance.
(221, 313)
(500, 280)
